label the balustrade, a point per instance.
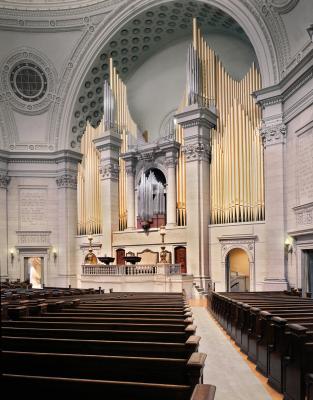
(121, 270)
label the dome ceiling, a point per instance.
(136, 41)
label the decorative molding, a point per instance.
(33, 238)
(304, 214)
(260, 13)
(109, 171)
(130, 168)
(244, 242)
(197, 152)
(198, 122)
(273, 134)
(7, 95)
(66, 181)
(4, 181)
(147, 156)
(171, 161)
(55, 18)
(277, 32)
(283, 6)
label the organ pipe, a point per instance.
(116, 115)
(236, 170)
(88, 184)
(128, 130)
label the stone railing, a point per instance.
(121, 270)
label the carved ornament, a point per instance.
(273, 134)
(67, 181)
(197, 152)
(4, 181)
(109, 171)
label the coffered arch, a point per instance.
(239, 17)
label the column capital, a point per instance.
(130, 162)
(66, 181)
(273, 134)
(109, 170)
(197, 152)
(170, 161)
(170, 150)
(4, 181)
(110, 141)
(197, 116)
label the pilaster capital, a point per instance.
(66, 181)
(195, 116)
(130, 162)
(273, 134)
(170, 160)
(4, 181)
(197, 152)
(109, 171)
(110, 141)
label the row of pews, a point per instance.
(124, 346)
(275, 330)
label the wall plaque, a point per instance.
(33, 208)
(305, 167)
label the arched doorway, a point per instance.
(180, 258)
(237, 271)
(120, 254)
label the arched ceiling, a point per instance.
(136, 41)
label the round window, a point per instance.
(28, 81)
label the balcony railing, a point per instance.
(121, 270)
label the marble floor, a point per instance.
(226, 367)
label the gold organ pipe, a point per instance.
(237, 187)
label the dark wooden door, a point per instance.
(180, 258)
(120, 253)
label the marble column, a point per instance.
(171, 156)
(4, 251)
(130, 166)
(109, 147)
(197, 123)
(66, 182)
(274, 136)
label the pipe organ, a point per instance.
(116, 115)
(181, 173)
(236, 176)
(236, 170)
(88, 184)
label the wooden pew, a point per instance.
(260, 324)
(29, 323)
(309, 386)
(132, 369)
(117, 390)
(297, 361)
(102, 347)
(117, 314)
(97, 334)
(109, 320)
(264, 334)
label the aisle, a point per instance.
(225, 367)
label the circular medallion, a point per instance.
(28, 81)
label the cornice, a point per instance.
(289, 85)
(41, 157)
